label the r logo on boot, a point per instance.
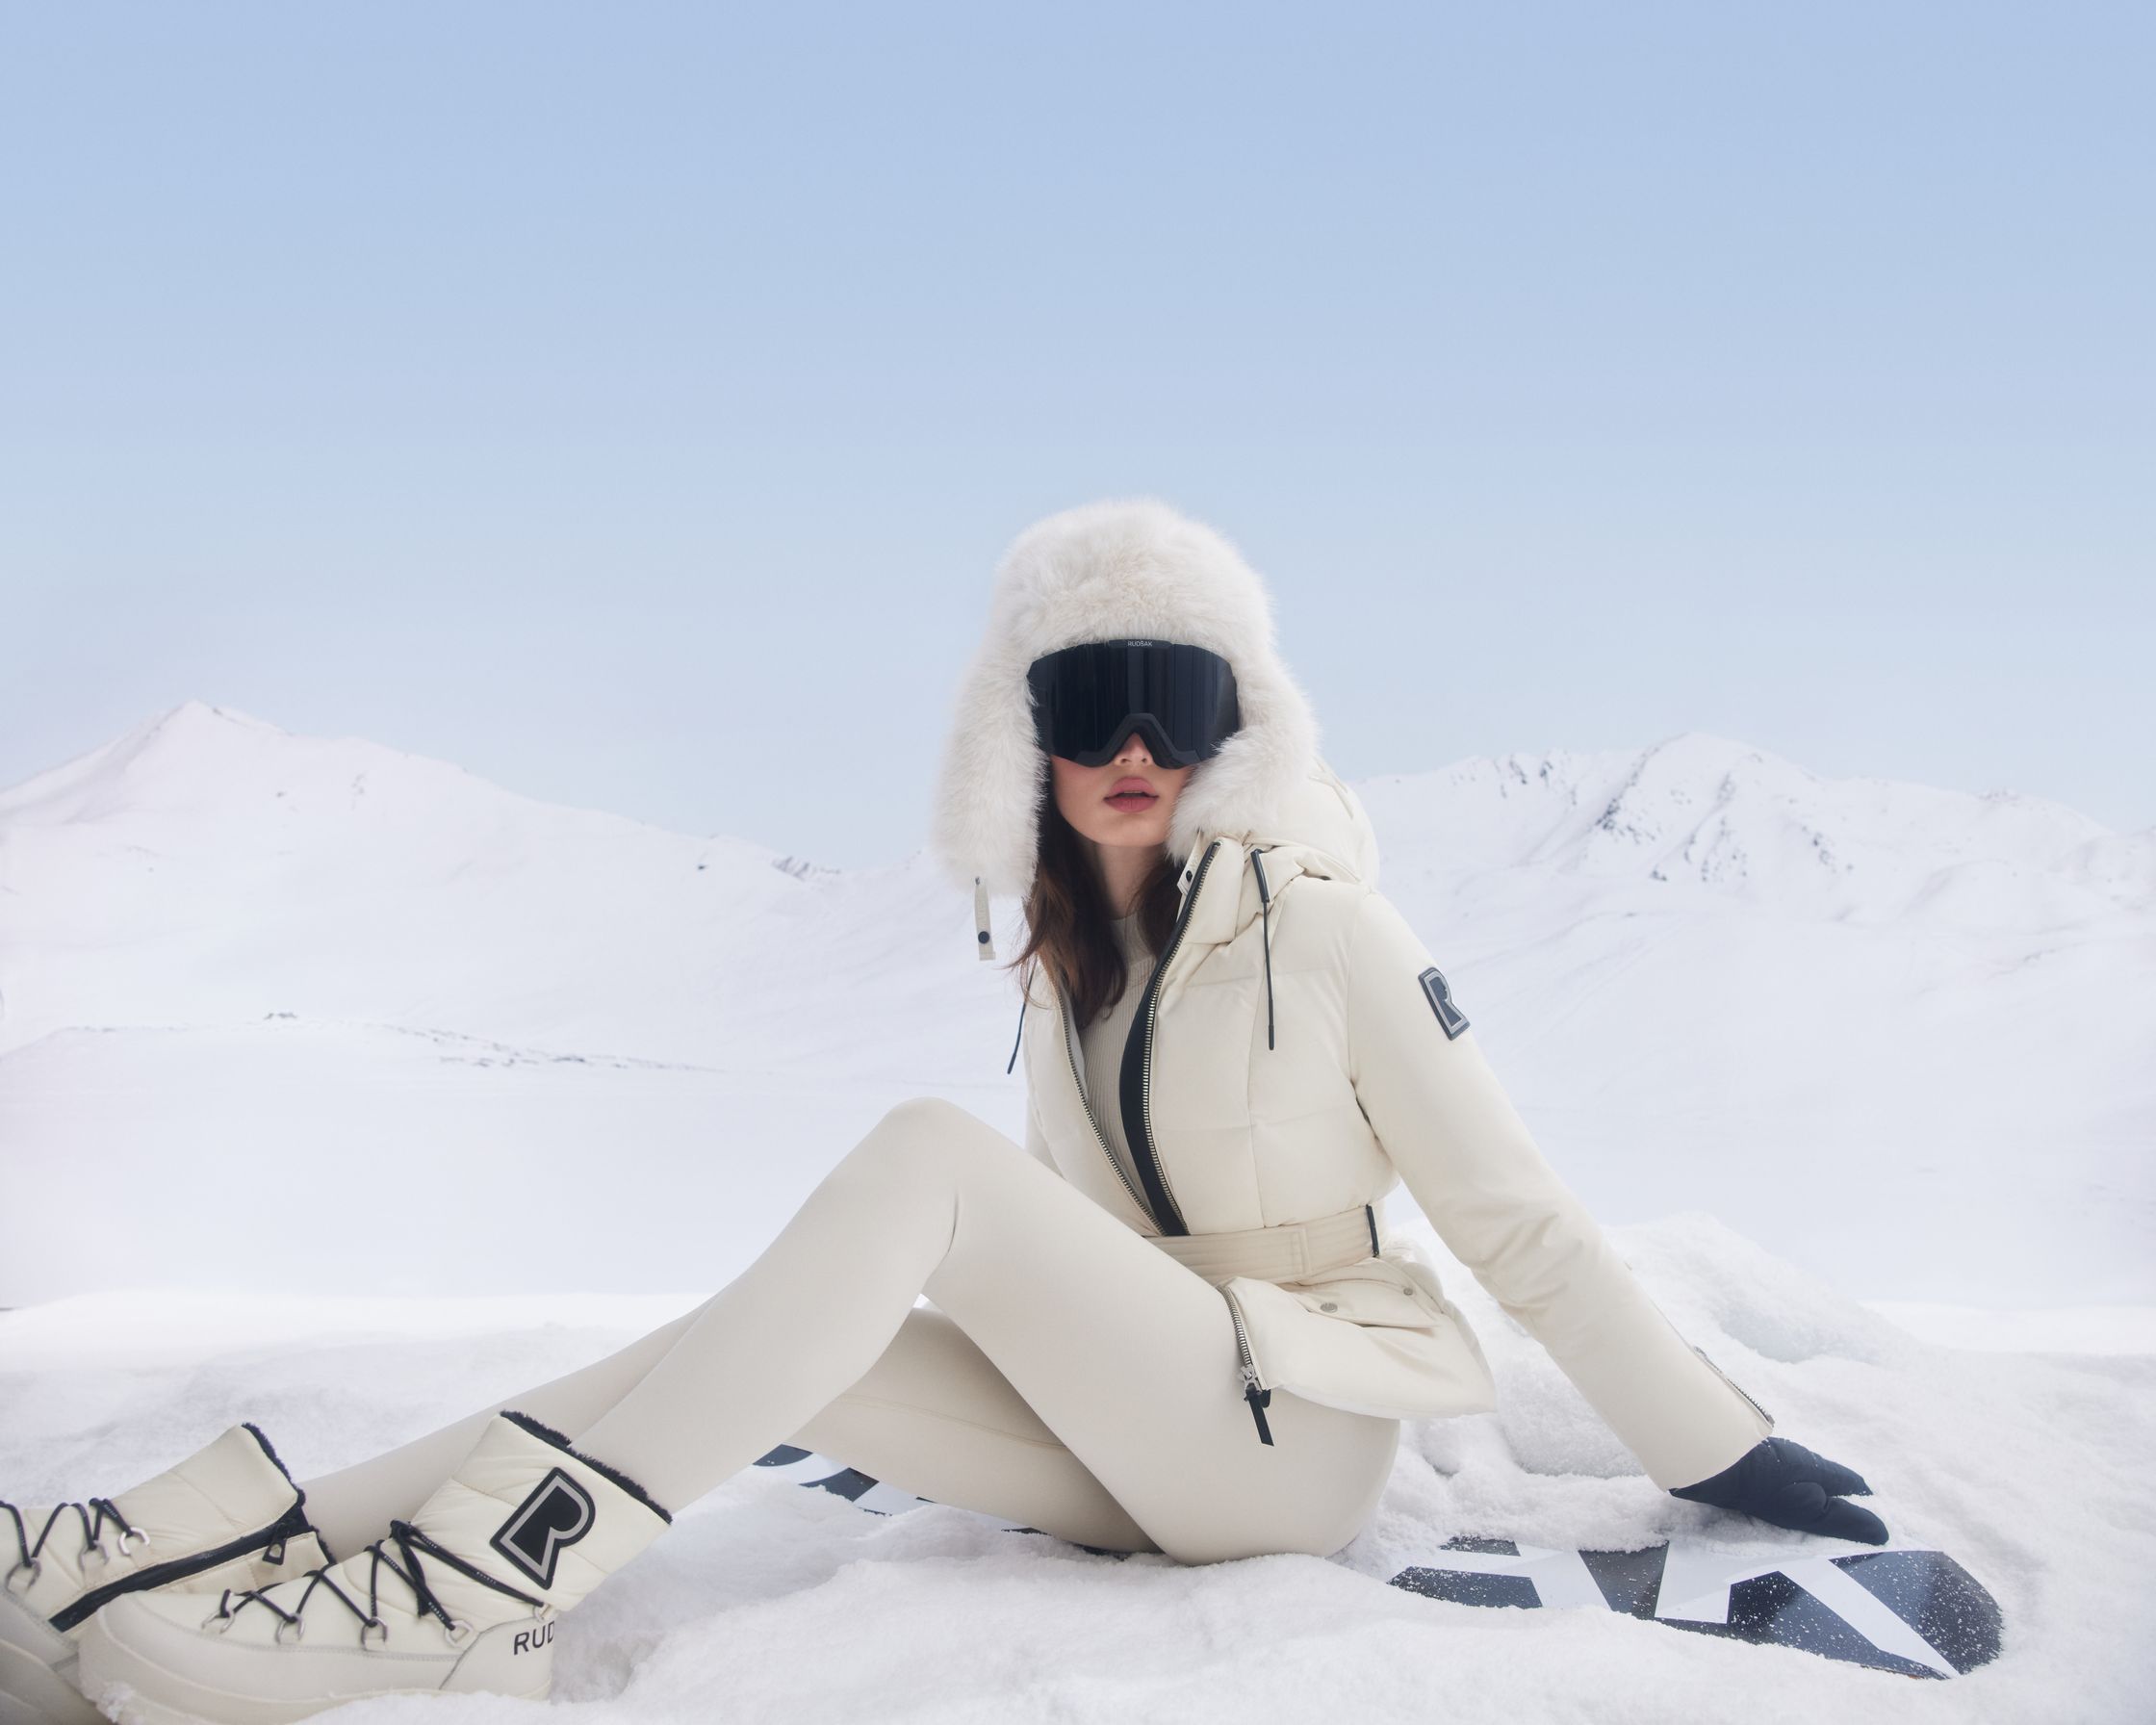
(559, 1512)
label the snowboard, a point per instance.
(1899, 1609)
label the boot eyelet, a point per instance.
(96, 1549)
(298, 1628)
(132, 1533)
(34, 1568)
(217, 1622)
(380, 1627)
(458, 1632)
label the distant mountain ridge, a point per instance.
(207, 864)
(1703, 809)
(1692, 807)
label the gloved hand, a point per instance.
(1781, 1481)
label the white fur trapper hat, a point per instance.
(1122, 567)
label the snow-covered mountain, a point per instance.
(209, 868)
(1705, 812)
(1896, 1034)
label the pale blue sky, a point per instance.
(630, 402)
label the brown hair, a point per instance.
(1067, 918)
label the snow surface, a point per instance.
(1856, 1073)
(767, 1600)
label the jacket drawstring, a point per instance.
(1014, 1059)
(1265, 910)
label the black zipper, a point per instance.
(289, 1526)
(1259, 1400)
(1137, 1121)
(1062, 1004)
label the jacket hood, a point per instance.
(1135, 567)
(1324, 825)
(1320, 827)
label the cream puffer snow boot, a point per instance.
(229, 1515)
(461, 1597)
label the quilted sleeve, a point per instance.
(1467, 1159)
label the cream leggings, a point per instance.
(1069, 1376)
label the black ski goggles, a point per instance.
(1088, 698)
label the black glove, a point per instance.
(1781, 1481)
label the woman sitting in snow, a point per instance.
(1171, 1321)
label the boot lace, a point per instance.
(409, 1543)
(92, 1514)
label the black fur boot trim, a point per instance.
(559, 1442)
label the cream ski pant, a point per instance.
(1070, 1374)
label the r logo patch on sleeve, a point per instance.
(1440, 995)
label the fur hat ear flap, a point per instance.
(1102, 571)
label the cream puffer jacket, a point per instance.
(1296, 1055)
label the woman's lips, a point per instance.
(1131, 793)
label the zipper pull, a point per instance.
(1259, 1400)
